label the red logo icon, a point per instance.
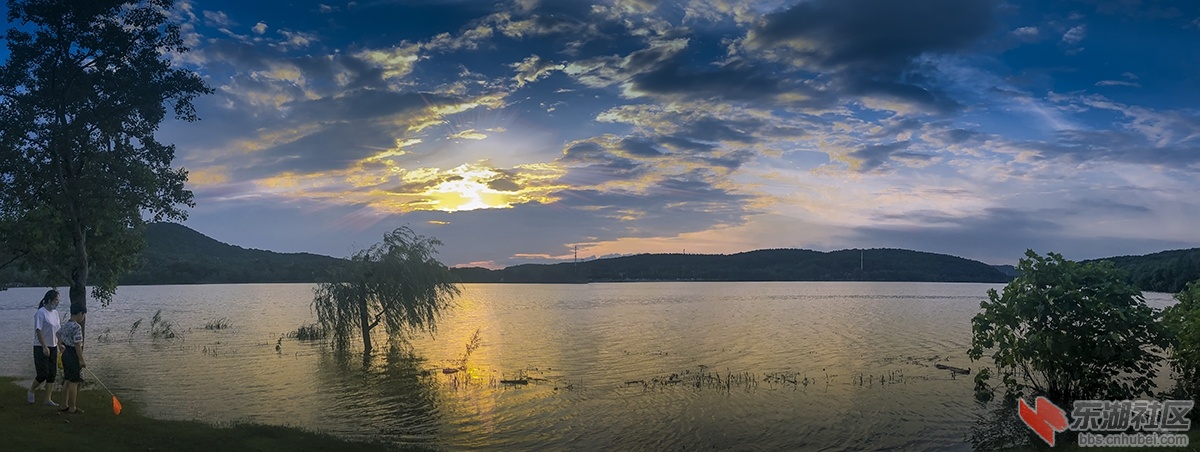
(1045, 418)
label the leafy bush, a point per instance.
(1069, 331)
(1183, 321)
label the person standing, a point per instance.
(45, 347)
(71, 336)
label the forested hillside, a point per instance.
(761, 265)
(176, 254)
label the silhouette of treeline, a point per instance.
(1166, 271)
(176, 254)
(761, 265)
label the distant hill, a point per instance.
(176, 254)
(761, 265)
(1167, 271)
(1008, 270)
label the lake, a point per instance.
(620, 366)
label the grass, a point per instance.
(34, 427)
(161, 329)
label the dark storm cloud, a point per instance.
(881, 37)
(735, 81)
(872, 45)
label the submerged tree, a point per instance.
(1069, 331)
(84, 89)
(396, 283)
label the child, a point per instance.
(71, 337)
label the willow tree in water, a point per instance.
(396, 283)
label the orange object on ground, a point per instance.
(116, 406)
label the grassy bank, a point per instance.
(26, 427)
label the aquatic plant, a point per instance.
(309, 332)
(472, 344)
(162, 329)
(217, 324)
(133, 329)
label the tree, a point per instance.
(83, 91)
(1069, 331)
(396, 282)
(1183, 321)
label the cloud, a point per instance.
(296, 39)
(876, 157)
(868, 35)
(533, 68)
(1118, 83)
(260, 28)
(1027, 34)
(872, 48)
(395, 62)
(218, 19)
(1073, 37)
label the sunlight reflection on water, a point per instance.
(662, 366)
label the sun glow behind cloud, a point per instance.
(387, 188)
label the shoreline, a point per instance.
(34, 427)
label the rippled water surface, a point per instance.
(642, 366)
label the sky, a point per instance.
(531, 130)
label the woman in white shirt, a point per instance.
(45, 347)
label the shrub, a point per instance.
(1183, 321)
(1068, 331)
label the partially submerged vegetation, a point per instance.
(1073, 331)
(217, 324)
(99, 429)
(310, 332)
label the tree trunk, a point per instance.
(365, 320)
(79, 274)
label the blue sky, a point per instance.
(517, 131)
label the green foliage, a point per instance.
(84, 88)
(1183, 321)
(1167, 271)
(1069, 331)
(396, 282)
